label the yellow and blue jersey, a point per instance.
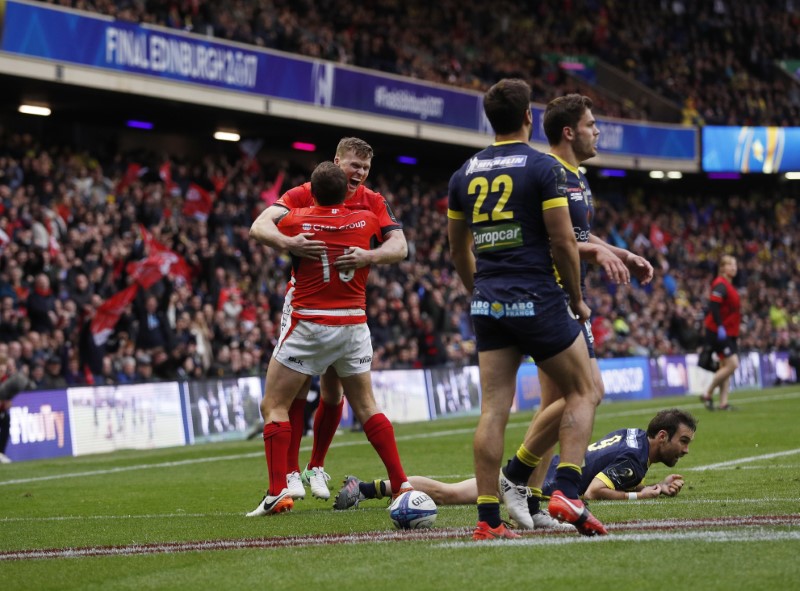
(581, 207)
(502, 193)
(620, 460)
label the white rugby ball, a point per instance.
(413, 510)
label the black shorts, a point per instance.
(542, 336)
(724, 348)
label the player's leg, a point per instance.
(377, 427)
(297, 420)
(727, 368)
(282, 386)
(447, 493)
(498, 373)
(571, 371)
(326, 419)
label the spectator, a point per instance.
(53, 379)
(41, 305)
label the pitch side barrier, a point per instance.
(87, 420)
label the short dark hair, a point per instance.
(356, 145)
(506, 103)
(561, 112)
(669, 420)
(328, 184)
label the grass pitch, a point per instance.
(174, 518)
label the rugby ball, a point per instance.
(413, 510)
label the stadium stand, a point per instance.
(71, 217)
(715, 59)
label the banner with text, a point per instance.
(66, 36)
(40, 426)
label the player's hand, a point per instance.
(640, 268)
(672, 485)
(613, 266)
(353, 258)
(651, 492)
(580, 310)
(722, 334)
(304, 247)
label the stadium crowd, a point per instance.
(716, 59)
(70, 225)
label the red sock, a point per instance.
(326, 422)
(380, 433)
(297, 419)
(276, 444)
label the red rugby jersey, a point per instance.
(321, 293)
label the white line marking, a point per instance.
(728, 463)
(755, 535)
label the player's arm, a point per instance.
(265, 230)
(602, 256)
(564, 249)
(599, 489)
(461, 253)
(638, 266)
(393, 249)
(718, 295)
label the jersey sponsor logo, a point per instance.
(500, 237)
(630, 438)
(325, 228)
(295, 360)
(363, 360)
(478, 165)
(561, 179)
(576, 195)
(501, 309)
(581, 235)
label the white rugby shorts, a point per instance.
(310, 348)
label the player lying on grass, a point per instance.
(614, 469)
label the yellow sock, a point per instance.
(570, 466)
(527, 457)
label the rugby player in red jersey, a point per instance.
(354, 157)
(327, 328)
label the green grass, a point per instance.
(202, 492)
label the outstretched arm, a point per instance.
(639, 266)
(600, 255)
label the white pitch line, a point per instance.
(747, 460)
(443, 433)
(756, 535)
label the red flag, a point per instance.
(133, 172)
(198, 203)
(271, 195)
(176, 265)
(107, 315)
(165, 174)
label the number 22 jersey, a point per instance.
(501, 193)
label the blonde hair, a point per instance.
(356, 145)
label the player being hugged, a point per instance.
(328, 327)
